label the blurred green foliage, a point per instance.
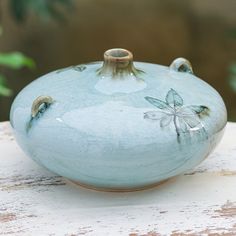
(45, 9)
(20, 9)
(13, 60)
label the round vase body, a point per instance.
(119, 125)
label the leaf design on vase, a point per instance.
(184, 118)
(173, 98)
(78, 68)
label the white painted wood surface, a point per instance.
(34, 201)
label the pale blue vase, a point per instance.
(118, 125)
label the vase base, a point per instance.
(101, 189)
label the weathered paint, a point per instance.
(34, 201)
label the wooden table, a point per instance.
(34, 201)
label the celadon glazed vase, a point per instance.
(119, 125)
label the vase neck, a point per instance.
(117, 63)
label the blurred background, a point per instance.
(38, 36)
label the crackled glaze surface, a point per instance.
(102, 128)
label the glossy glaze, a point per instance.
(103, 127)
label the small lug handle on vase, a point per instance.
(181, 65)
(40, 101)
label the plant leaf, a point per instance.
(187, 111)
(45, 9)
(165, 120)
(199, 110)
(192, 121)
(232, 82)
(2, 79)
(173, 98)
(232, 68)
(79, 68)
(16, 60)
(157, 103)
(183, 127)
(4, 91)
(153, 115)
(19, 9)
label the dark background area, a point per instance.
(156, 31)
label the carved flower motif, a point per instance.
(185, 118)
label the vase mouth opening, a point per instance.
(118, 62)
(118, 54)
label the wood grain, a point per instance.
(34, 201)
